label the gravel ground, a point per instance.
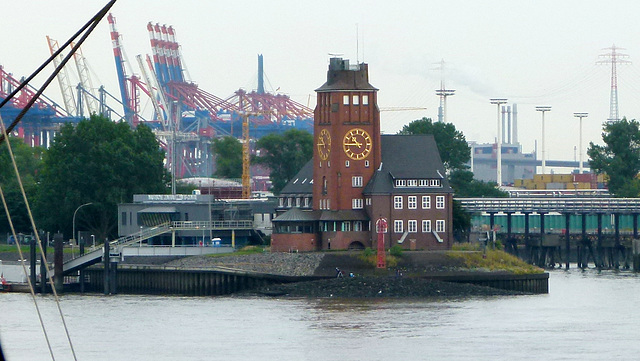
(289, 264)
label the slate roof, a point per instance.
(302, 183)
(408, 157)
(296, 214)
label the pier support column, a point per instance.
(173, 238)
(105, 259)
(526, 236)
(599, 263)
(568, 240)
(635, 225)
(617, 246)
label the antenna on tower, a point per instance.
(613, 58)
(443, 93)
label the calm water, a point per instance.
(586, 316)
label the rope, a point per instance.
(90, 26)
(24, 267)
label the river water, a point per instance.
(586, 316)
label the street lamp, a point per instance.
(580, 115)
(74, 219)
(499, 102)
(543, 109)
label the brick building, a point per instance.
(357, 176)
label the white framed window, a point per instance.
(440, 225)
(366, 164)
(365, 100)
(398, 226)
(426, 202)
(440, 202)
(357, 226)
(346, 226)
(298, 200)
(356, 203)
(281, 201)
(424, 183)
(412, 202)
(356, 181)
(345, 99)
(346, 163)
(289, 201)
(401, 182)
(412, 226)
(412, 183)
(434, 182)
(397, 202)
(355, 100)
(306, 202)
(426, 225)
(368, 201)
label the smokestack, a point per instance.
(260, 75)
(504, 128)
(509, 124)
(515, 123)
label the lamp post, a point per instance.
(543, 109)
(74, 218)
(499, 102)
(580, 115)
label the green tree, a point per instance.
(228, 152)
(102, 162)
(285, 154)
(452, 145)
(28, 160)
(619, 157)
(466, 186)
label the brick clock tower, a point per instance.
(346, 137)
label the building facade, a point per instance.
(357, 176)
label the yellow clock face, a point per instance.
(324, 144)
(357, 144)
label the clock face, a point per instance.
(357, 144)
(324, 144)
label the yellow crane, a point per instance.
(246, 153)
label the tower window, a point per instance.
(346, 163)
(365, 100)
(356, 100)
(366, 164)
(356, 203)
(345, 99)
(356, 181)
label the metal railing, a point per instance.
(191, 225)
(546, 205)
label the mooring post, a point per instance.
(568, 241)
(32, 261)
(635, 225)
(106, 261)
(43, 266)
(583, 243)
(636, 255)
(81, 243)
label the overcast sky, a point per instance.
(531, 52)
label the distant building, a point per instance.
(150, 210)
(357, 176)
(515, 163)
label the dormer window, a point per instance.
(434, 182)
(345, 100)
(412, 183)
(401, 182)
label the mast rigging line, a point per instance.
(87, 29)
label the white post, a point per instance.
(580, 115)
(543, 109)
(499, 102)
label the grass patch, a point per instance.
(494, 260)
(241, 252)
(370, 257)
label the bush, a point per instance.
(396, 251)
